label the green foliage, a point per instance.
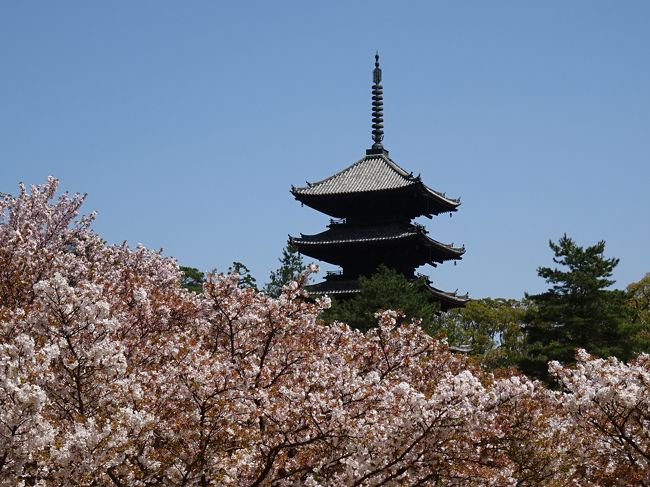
(577, 311)
(192, 279)
(291, 266)
(246, 279)
(638, 302)
(491, 327)
(386, 289)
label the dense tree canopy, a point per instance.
(638, 302)
(112, 374)
(386, 289)
(490, 328)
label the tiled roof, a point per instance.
(343, 234)
(375, 172)
(372, 173)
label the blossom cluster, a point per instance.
(112, 374)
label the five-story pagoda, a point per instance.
(374, 202)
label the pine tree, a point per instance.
(577, 311)
(246, 279)
(291, 266)
(192, 279)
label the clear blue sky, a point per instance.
(187, 122)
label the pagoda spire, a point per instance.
(377, 110)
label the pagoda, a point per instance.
(373, 203)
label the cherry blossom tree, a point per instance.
(112, 374)
(608, 404)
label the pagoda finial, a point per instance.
(377, 109)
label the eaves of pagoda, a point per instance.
(349, 241)
(448, 300)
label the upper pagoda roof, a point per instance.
(375, 185)
(372, 173)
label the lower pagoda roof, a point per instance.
(350, 287)
(335, 287)
(449, 300)
(346, 237)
